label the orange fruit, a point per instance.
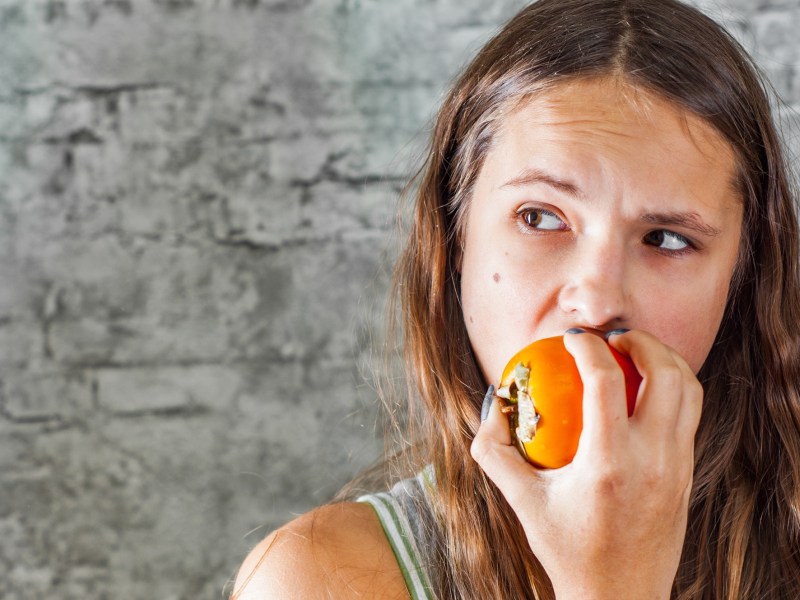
(547, 432)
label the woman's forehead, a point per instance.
(611, 100)
(577, 121)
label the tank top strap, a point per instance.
(401, 536)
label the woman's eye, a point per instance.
(538, 218)
(667, 240)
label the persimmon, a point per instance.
(544, 395)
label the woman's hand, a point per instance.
(611, 524)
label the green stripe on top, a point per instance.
(398, 532)
(411, 550)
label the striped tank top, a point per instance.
(403, 514)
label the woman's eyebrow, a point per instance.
(534, 175)
(686, 220)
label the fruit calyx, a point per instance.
(515, 390)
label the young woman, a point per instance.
(608, 169)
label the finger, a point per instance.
(664, 377)
(605, 416)
(494, 451)
(691, 410)
(487, 403)
(494, 423)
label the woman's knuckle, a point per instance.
(484, 451)
(605, 377)
(478, 449)
(609, 478)
(695, 390)
(670, 376)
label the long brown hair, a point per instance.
(743, 537)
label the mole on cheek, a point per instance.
(496, 277)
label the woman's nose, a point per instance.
(595, 293)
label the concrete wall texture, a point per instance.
(196, 205)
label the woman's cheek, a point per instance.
(479, 300)
(686, 318)
(504, 305)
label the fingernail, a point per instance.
(575, 330)
(487, 403)
(608, 334)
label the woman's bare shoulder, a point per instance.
(335, 551)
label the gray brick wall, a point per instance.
(196, 205)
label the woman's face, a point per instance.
(599, 206)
